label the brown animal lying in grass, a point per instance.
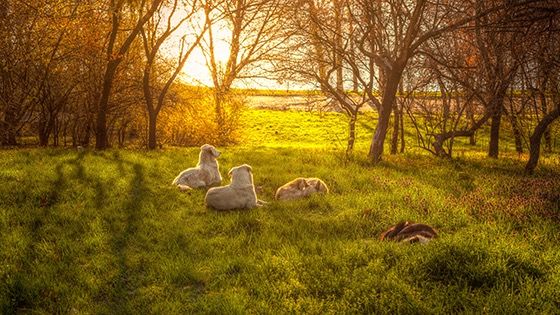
(301, 187)
(409, 233)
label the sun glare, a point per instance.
(196, 70)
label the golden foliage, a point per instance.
(192, 121)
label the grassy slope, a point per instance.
(88, 232)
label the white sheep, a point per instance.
(239, 194)
(206, 173)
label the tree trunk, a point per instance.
(8, 136)
(8, 127)
(152, 113)
(75, 134)
(493, 148)
(470, 115)
(114, 58)
(56, 132)
(544, 108)
(87, 136)
(547, 140)
(396, 128)
(65, 132)
(43, 133)
(441, 138)
(152, 120)
(401, 117)
(472, 139)
(46, 128)
(223, 131)
(516, 134)
(389, 95)
(535, 140)
(351, 133)
(101, 140)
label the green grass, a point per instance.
(105, 232)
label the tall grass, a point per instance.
(105, 232)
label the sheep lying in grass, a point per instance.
(239, 194)
(300, 188)
(206, 172)
(408, 232)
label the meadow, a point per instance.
(85, 232)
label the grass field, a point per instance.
(105, 232)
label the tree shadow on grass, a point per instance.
(124, 286)
(23, 293)
(119, 290)
(22, 290)
(121, 219)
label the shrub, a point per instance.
(192, 122)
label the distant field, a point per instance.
(105, 232)
(329, 130)
(285, 102)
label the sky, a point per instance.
(196, 71)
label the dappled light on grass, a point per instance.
(106, 232)
(416, 111)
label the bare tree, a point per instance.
(31, 62)
(321, 50)
(154, 34)
(254, 32)
(543, 29)
(400, 28)
(115, 52)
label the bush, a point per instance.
(192, 121)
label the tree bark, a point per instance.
(219, 100)
(114, 58)
(470, 116)
(43, 134)
(441, 138)
(516, 133)
(56, 132)
(152, 121)
(389, 96)
(8, 127)
(544, 108)
(493, 147)
(547, 140)
(101, 141)
(396, 128)
(152, 112)
(351, 133)
(401, 116)
(535, 140)
(472, 139)
(8, 135)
